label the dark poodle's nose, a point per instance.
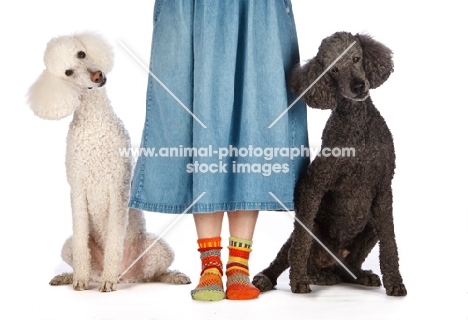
(357, 86)
(96, 76)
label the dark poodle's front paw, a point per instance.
(300, 287)
(262, 282)
(397, 290)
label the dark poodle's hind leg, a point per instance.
(359, 250)
(266, 280)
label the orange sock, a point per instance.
(210, 287)
(237, 271)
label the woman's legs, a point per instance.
(208, 225)
(241, 229)
(242, 223)
(210, 287)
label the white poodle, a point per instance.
(107, 235)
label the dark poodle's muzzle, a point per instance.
(359, 88)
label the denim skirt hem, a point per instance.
(210, 208)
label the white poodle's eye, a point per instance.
(68, 72)
(81, 55)
(334, 70)
(356, 59)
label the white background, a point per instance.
(424, 103)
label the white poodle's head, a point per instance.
(74, 64)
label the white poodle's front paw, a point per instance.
(80, 285)
(107, 286)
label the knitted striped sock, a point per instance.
(210, 287)
(237, 271)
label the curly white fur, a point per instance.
(107, 236)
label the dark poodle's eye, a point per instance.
(356, 59)
(334, 70)
(69, 72)
(81, 55)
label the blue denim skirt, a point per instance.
(215, 97)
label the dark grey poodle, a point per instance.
(345, 201)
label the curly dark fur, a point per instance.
(345, 201)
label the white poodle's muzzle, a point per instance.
(99, 78)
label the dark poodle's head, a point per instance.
(345, 66)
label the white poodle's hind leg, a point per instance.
(66, 277)
(67, 251)
(62, 279)
(153, 265)
(158, 261)
(173, 277)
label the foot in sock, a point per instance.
(237, 271)
(210, 287)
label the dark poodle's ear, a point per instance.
(322, 94)
(377, 59)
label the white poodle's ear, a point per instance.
(99, 51)
(53, 98)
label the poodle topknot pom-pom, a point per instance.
(53, 96)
